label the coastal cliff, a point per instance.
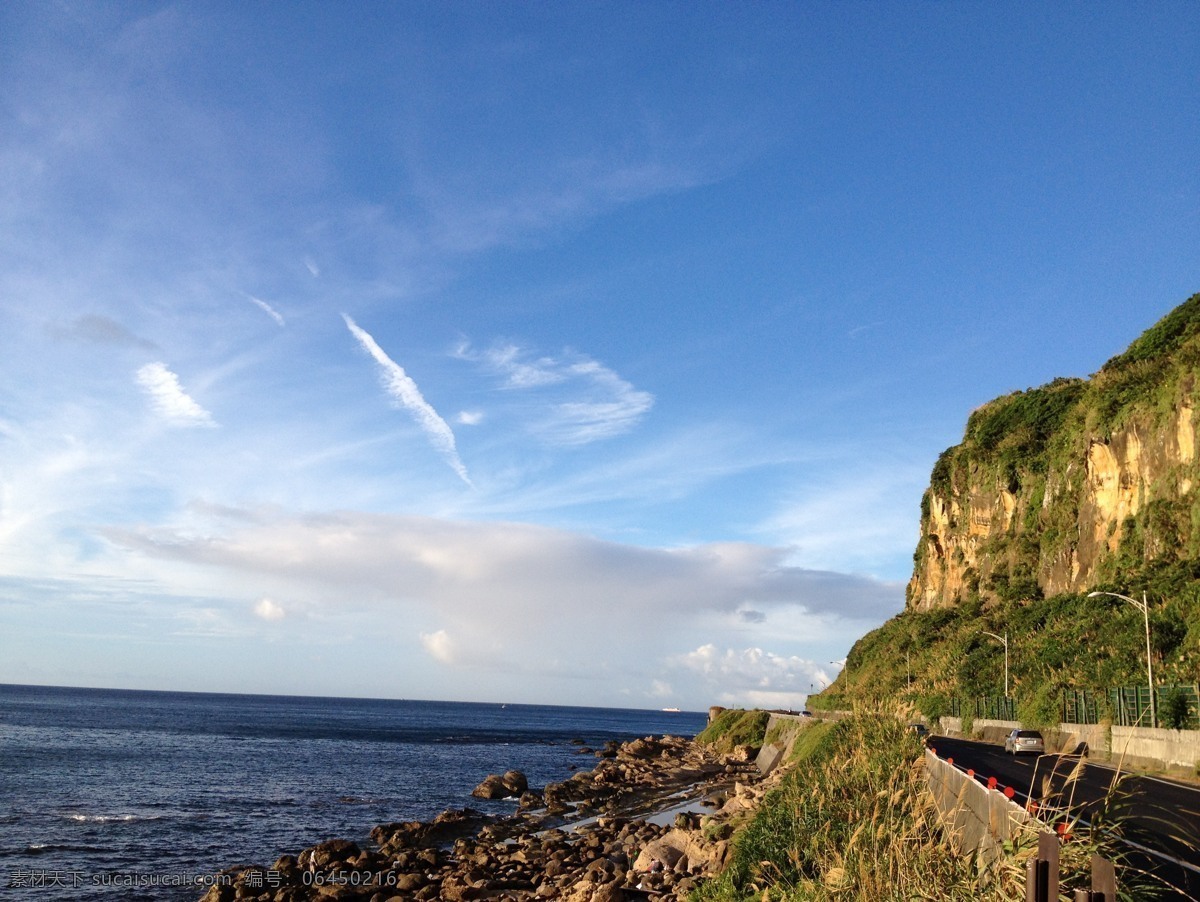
(1059, 488)
(1078, 485)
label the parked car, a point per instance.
(1019, 741)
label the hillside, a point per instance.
(1056, 491)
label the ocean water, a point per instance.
(145, 795)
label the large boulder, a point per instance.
(643, 749)
(328, 854)
(515, 782)
(510, 784)
(682, 851)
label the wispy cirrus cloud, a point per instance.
(169, 399)
(615, 406)
(267, 309)
(404, 391)
(588, 401)
(544, 198)
(860, 519)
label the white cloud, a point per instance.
(764, 700)
(753, 676)
(480, 566)
(506, 359)
(616, 408)
(585, 401)
(516, 595)
(661, 689)
(168, 397)
(267, 309)
(269, 610)
(311, 265)
(439, 646)
(470, 417)
(404, 391)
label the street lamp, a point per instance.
(1003, 639)
(1144, 607)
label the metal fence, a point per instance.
(1176, 705)
(1127, 706)
(984, 708)
(1081, 706)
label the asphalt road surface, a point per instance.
(1159, 820)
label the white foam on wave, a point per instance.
(111, 818)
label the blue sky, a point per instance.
(569, 353)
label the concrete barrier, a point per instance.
(781, 733)
(978, 820)
(1174, 747)
(1070, 735)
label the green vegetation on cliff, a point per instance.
(1068, 641)
(1026, 504)
(1076, 486)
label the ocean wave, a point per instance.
(47, 848)
(112, 818)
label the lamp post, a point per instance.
(1144, 607)
(1003, 639)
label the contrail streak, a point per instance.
(404, 390)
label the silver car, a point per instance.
(1019, 741)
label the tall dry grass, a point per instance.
(854, 821)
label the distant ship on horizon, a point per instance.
(671, 710)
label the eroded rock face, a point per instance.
(1074, 518)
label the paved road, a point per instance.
(1159, 819)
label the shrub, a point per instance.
(1040, 709)
(1176, 712)
(933, 706)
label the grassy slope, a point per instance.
(734, 727)
(852, 820)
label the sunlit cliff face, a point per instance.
(967, 533)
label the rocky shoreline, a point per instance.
(650, 820)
